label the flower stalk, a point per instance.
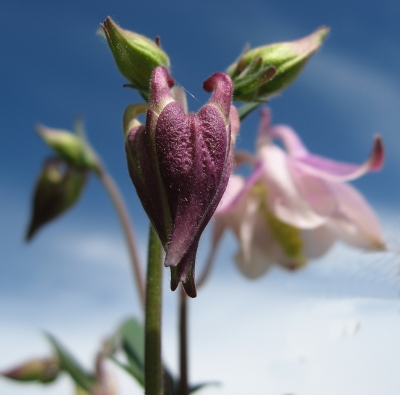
(152, 361)
(119, 205)
(183, 347)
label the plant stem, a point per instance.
(127, 227)
(183, 349)
(153, 376)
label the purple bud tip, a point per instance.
(221, 85)
(160, 85)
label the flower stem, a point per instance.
(217, 232)
(123, 215)
(183, 350)
(153, 376)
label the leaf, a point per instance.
(136, 374)
(130, 338)
(132, 342)
(71, 366)
(170, 384)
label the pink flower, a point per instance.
(295, 205)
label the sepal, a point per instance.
(135, 55)
(267, 70)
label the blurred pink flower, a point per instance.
(295, 205)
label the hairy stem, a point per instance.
(152, 362)
(183, 347)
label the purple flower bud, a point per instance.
(180, 164)
(44, 370)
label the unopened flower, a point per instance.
(295, 204)
(135, 55)
(71, 147)
(58, 187)
(180, 165)
(44, 370)
(265, 71)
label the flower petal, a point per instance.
(263, 136)
(238, 189)
(290, 139)
(318, 241)
(284, 197)
(340, 171)
(235, 122)
(234, 187)
(245, 222)
(314, 190)
(355, 222)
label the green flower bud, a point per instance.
(71, 147)
(265, 71)
(136, 55)
(44, 370)
(58, 187)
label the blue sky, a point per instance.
(74, 278)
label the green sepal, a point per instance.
(136, 56)
(288, 58)
(246, 84)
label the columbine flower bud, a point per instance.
(265, 71)
(43, 370)
(180, 164)
(136, 55)
(58, 187)
(71, 147)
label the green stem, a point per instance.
(183, 351)
(127, 227)
(153, 376)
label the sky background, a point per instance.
(331, 328)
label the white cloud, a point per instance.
(319, 331)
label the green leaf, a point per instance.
(71, 366)
(130, 338)
(170, 384)
(132, 342)
(136, 374)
